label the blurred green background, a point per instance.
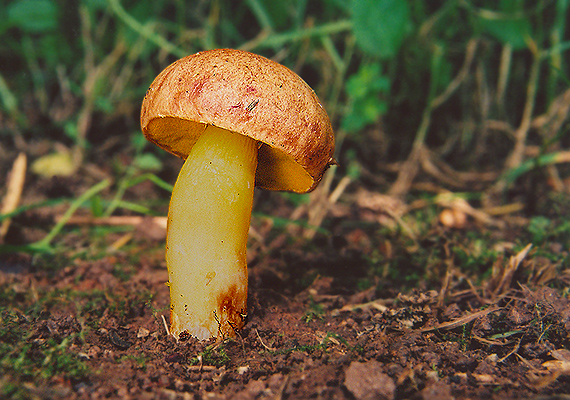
(463, 80)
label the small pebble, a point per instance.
(142, 332)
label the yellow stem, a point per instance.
(208, 223)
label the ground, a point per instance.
(362, 310)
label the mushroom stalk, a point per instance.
(208, 223)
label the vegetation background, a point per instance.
(438, 83)
(447, 113)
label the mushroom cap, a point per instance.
(248, 94)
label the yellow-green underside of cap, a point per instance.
(275, 169)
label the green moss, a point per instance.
(315, 312)
(140, 360)
(213, 355)
(24, 358)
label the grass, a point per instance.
(44, 245)
(24, 358)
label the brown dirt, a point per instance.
(321, 324)
(319, 342)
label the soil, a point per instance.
(320, 324)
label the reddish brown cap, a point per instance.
(248, 94)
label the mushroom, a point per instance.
(240, 120)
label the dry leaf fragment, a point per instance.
(503, 274)
(55, 164)
(14, 191)
(561, 354)
(484, 378)
(561, 362)
(557, 366)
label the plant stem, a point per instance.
(280, 39)
(516, 156)
(145, 30)
(71, 210)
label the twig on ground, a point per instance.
(513, 351)
(200, 368)
(378, 304)
(120, 242)
(462, 320)
(115, 220)
(444, 287)
(165, 325)
(263, 344)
